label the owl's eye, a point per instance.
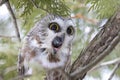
(54, 26)
(70, 30)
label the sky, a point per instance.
(4, 14)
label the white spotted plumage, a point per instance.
(47, 46)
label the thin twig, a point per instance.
(112, 62)
(81, 16)
(113, 71)
(9, 69)
(14, 20)
(3, 36)
(36, 6)
(20, 77)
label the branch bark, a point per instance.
(102, 44)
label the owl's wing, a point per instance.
(31, 42)
(28, 51)
(21, 68)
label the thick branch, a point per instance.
(14, 20)
(102, 44)
(94, 62)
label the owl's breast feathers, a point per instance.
(32, 51)
(53, 58)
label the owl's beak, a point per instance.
(57, 43)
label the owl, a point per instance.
(47, 45)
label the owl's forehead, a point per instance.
(62, 21)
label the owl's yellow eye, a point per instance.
(54, 26)
(70, 30)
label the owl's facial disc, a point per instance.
(57, 43)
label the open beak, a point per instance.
(57, 43)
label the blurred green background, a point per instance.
(88, 15)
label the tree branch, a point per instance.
(81, 16)
(99, 58)
(36, 6)
(114, 70)
(2, 36)
(9, 69)
(3, 2)
(21, 77)
(112, 62)
(14, 20)
(102, 44)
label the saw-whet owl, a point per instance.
(48, 44)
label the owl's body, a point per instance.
(48, 44)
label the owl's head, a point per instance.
(54, 35)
